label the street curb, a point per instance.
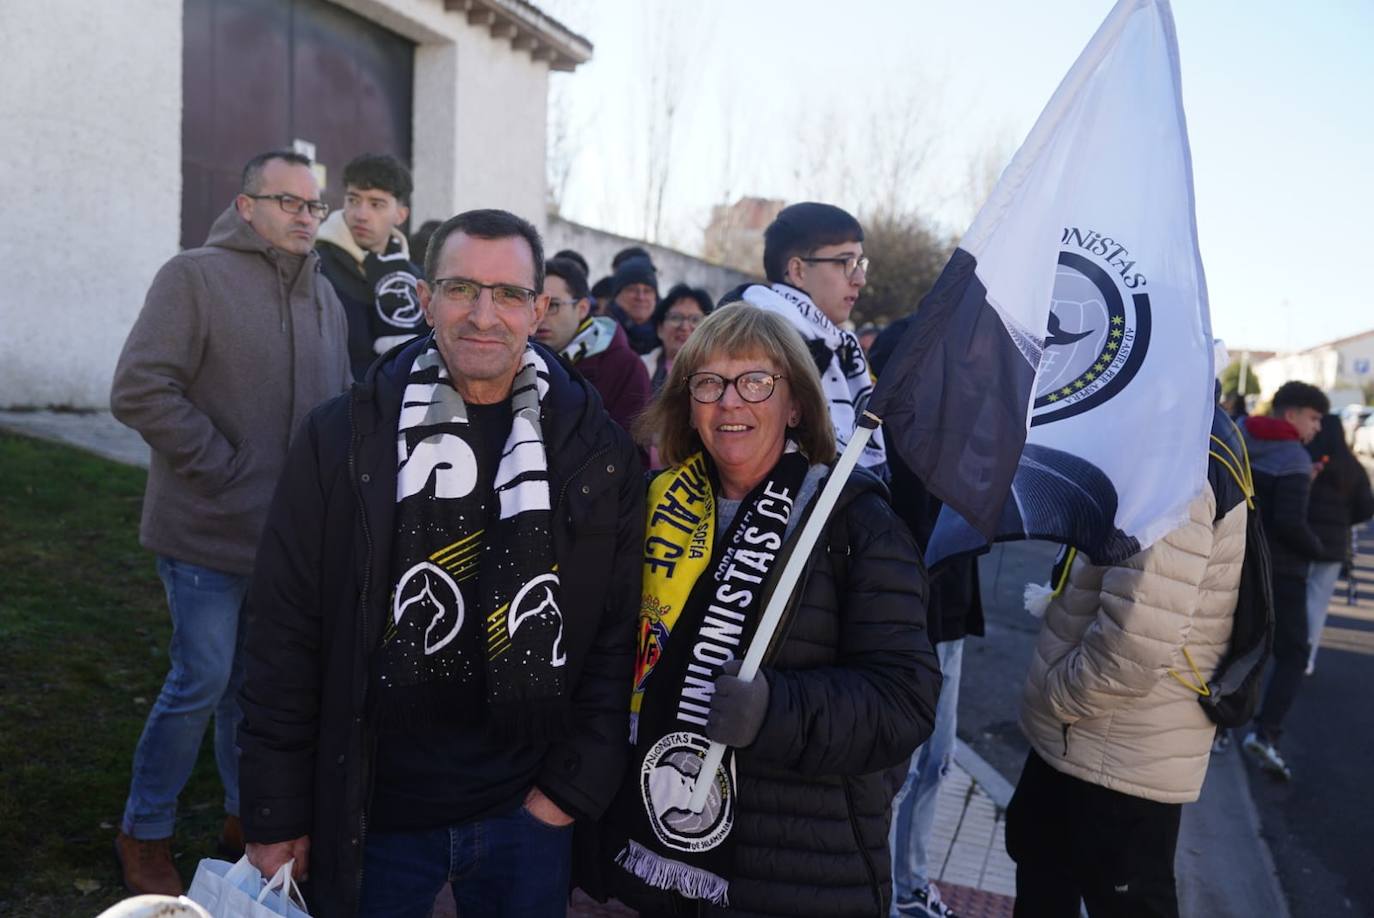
(983, 774)
(1271, 868)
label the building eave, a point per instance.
(527, 28)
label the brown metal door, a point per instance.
(260, 74)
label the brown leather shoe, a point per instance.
(231, 839)
(147, 866)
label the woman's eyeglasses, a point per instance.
(754, 387)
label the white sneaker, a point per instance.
(1267, 756)
(924, 903)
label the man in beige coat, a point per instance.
(237, 341)
(1119, 741)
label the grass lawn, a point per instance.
(83, 638)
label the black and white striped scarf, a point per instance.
(476, 595)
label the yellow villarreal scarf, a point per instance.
(678, 537)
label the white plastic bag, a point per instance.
(238, 891)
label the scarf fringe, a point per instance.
(662, 873)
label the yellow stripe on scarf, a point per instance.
(678, 537)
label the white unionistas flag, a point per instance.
(1086, 253)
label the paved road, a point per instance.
(1321, 826)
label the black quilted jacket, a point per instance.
(853, 685)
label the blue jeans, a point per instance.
(507, 866)
(1321, 586)
(207, 670)
(913, 809)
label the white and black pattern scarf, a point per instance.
(594, 335)
(475, 600)
(845, 378)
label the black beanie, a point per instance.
(634, 271)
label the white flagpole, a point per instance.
(787, 582)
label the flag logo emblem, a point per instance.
(666, 780)
(1099, 328)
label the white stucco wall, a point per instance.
(478, 129)
(1342, 365)
(90, 116)
(674, 267)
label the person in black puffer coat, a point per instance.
(1341, 498)
(822, 735)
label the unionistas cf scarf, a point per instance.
(845, 378)
(476, 596)
(699, 611)
(594, 335)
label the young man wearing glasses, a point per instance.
(596, 345)
(366, 257)
(813, 256)
(442, 619)
(236, 342)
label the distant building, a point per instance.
(1344, 368)
(127, 124)
(734, 237)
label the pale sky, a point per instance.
(811, 98)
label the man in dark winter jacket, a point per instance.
(596, 345)
(366, 257)
(1283, 475)
(442, 622)
(238, 340)
(634, 293)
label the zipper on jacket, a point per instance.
(1065, 730)
(863, 850)
(365, 775)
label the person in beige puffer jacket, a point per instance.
(1119, 741)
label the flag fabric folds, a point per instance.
(1057, 381)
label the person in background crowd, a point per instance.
(955, 611)
(1341, 498)
(364, 254)
(601, 295)
(596, 345)
(813, 256)
(439, 643)
(675, 318)
(633, 251)
(419, 241)
(236, 342)
(634, 293)
(822, 734)
(575, 257)
(867, 334)
(1118, 739)
(1283, 473)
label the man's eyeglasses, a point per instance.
(754, 387)
(555, 305)
(294, 205)
(852, 263)
(461, 291)
(677, 320)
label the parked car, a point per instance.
(1363, 443)
(1352, 416)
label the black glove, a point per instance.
(737, 707)
(393, 285)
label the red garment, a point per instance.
(619, 376)
(1264, 427)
